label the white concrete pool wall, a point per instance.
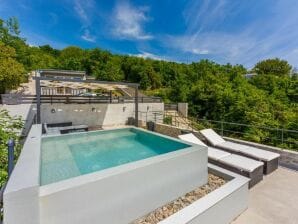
(21, 196)
(115, 195)
(221, 206)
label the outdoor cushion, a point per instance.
(241, 162)
(215, 140)
(231, 146)
(191, 138)
(217, 154)
(213, 153)
(259, 153)
(249, 150)
(212, 136)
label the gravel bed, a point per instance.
(167, 210)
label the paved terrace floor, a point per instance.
(274, 200)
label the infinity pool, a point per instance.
(71, 155)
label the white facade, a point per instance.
(98, 114)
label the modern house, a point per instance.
(63, 74)
(86, 163)
(58, 88)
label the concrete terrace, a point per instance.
(273, 200)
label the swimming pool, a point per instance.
(109, 176)
(68, 156)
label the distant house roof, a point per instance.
(55, 72)
(250, 75)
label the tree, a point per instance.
(71, 58)
(9, 128)
(11, 71)
(275, 66)
(47, 49)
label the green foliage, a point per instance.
(9, 128)
(11, 71)
(213, 91)
(273, 67)
(167, 120)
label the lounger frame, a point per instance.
(255, 176)
(269, 166)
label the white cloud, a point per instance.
(144, 54)
(87, 36)
(83, 8)
(208, 33)
(225, 46)
(199, 51)
(128, 21)
(200, 15)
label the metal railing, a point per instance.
(171, 106)
(280, 137)
(50, 99)
(166, 118)
(155, 116)
(284, 138)
(10, 165)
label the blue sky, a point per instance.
(225, 31)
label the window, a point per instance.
(68, 90)
(60, 90)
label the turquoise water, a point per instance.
(72, 155)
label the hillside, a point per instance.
(213, 91)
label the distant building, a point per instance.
(62, 74)
(249, 75)
(294, 72)
(62, 88)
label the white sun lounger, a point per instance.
(239, 164)
(270, 159)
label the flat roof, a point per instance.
(61, 72)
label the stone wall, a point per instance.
(167, 130)
(172, 130)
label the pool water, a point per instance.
(67, 156)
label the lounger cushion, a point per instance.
(230, 146)
(191, 138)
(241, 162)
(217, 154)
(259, 153)
(213, 153)
(249, 150)
(212, 136)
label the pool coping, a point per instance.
(31, 152)
(83, 179)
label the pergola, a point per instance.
(38, 79)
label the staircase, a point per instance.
(178, 120)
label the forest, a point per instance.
(214, 91)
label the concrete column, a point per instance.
(38, 102)
(183, 109)
(136, 106)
